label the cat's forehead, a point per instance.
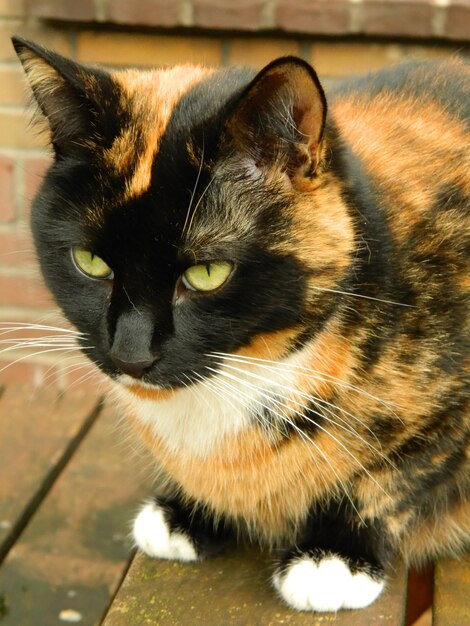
(149, 99)
(160, 163)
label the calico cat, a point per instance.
(280, 295)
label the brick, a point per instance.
(342, 59)
(17, 248)
(458, 21)
(81, 10)
(12, 8)
(257, 52)
(7, 199)
(410, 18)
(242, 14)
(18, 290)
(47, 36)
(321, 17)
(14, 90)
(33, 173)
(7, 29)
(16, 130)
(146, 12)
(127, 49)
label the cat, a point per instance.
(279, 292)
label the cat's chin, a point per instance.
(143, 389)
(128, 381)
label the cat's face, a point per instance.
(186, 214)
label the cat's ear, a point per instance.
(67, 94)
(280, 118)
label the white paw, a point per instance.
(325, 585)
(153, 536)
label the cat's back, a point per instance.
(445, 84)
(416, 109)
(409, 127)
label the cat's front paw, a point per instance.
(154, 535)
(321, 581)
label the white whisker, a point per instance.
(29, 356)
(50, 373)
(38, 344)
(359, 295)
(86, 376)
(226, 389)
(305, 438)
(303, 416)
(205, 382)
(315, 400)
(198, 203)
(16, 326)
(310, 397)
(308, 372)
(194, 188)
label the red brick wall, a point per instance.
(338, 37)
(392, 18)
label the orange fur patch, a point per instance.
(270, 482)
(417, 136)
(269, 346)
(329, 361)
(151, 96)
(151, 394)
(270, 485)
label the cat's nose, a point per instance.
(131, 349)
(135, 369)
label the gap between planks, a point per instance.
(49, 480)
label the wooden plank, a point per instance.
(39, 431)
(452, 593)
(70, 559)
(232, 589)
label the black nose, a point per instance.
(131, 348)
(133, 368)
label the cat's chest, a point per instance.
(249, 477)
(196, 420)
(231, 442)
(238, 470)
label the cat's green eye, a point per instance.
(90, 264)
(207, 276)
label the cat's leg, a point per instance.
(339, 564)
(168, 528)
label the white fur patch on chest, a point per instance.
(198, 418)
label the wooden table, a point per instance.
(71, 480)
